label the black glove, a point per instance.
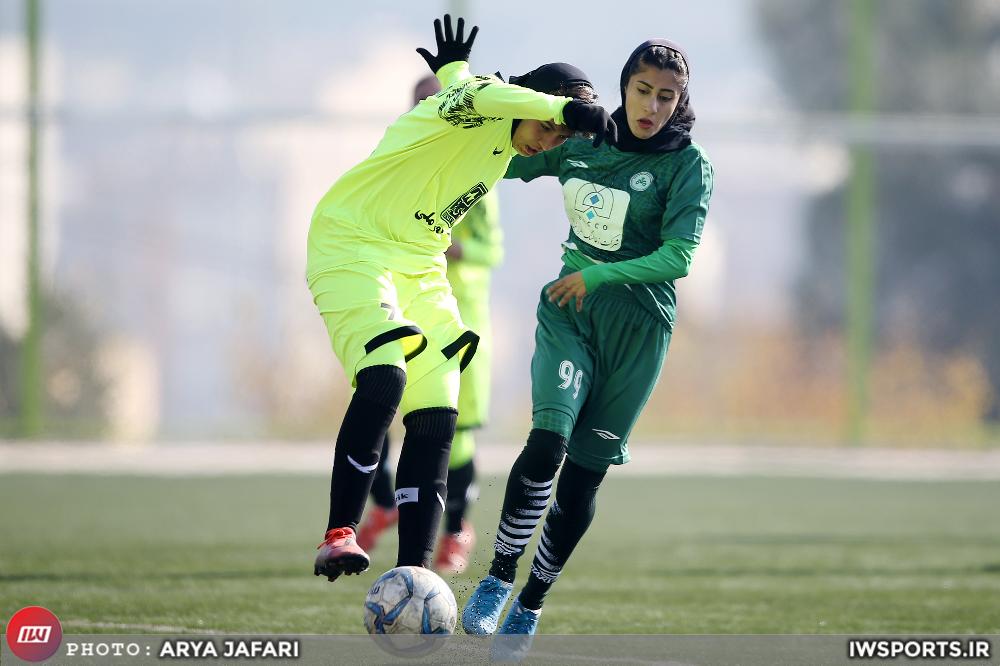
(450, 47)
(591, 118)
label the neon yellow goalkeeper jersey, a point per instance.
(432, 165)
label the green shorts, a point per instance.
(598, 367)
(366, 306)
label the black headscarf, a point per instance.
(676, 134)
(550, 79)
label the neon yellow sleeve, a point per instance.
(453, 72)
(504, 100)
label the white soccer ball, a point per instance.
(410, 600)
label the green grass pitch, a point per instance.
(672, 555)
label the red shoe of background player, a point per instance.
(454, 550)
(377, 520)
(340, 554)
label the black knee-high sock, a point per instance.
(461, 492)
(528, 489)
(567, 520)
(382, 483)
(379, 390)
(421, 481)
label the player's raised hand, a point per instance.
(591, 118)
(451, 46)
(565, 289)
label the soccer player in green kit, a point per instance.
(636, 214)
(376, 270)
(476, 248)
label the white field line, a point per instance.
(212, 459)
(152, 628)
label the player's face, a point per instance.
(651, 96)
(535, 136)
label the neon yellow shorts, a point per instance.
(366, 306)
(474, 398)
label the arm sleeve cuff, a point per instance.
(592, 277)
(504, 100)
(670, 262)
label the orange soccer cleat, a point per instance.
(454, 550)
(340, 554)
(377, 520)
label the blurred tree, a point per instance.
(74, 390)
(938, 207)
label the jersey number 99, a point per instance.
(569, 378)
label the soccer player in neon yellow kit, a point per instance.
(476, 248)
(376, 270)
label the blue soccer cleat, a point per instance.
(516, 633)
(520, 620)
(482, 611)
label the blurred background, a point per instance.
(160, 160)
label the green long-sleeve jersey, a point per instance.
(635, 218)
(399, 205)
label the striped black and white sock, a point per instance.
(529, 487)
(568, 519)
(547, 566)
(517, 526)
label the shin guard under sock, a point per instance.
(421, 481)
(382, 491)
(528, 489)
(379, 390)
(568, 519)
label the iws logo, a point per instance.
(641, 181)
(34, 633)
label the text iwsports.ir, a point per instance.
(918, 648)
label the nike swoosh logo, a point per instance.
(497, 151)
(366, 469)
